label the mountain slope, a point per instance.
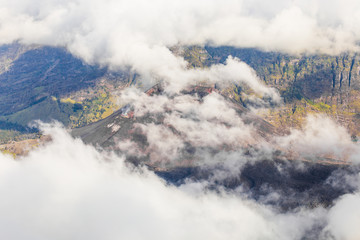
(48, 83)
(43, 72)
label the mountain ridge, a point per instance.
(308, 84)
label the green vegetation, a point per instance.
(197, 57)
(94, 109)
(68, 100)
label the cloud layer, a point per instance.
(68, 190)
(97, 28)
(137, 33)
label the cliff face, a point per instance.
(299, 76)
(308, 83)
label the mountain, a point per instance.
(33, 78)
(306, 183)
(41, 82)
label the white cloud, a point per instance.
(67, 190)
(208, 122)
(96, 27)
(164, 145)
(344, 218)
(321, 137)
(137, 33)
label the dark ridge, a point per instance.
(351, 68)
(341, 79)
(333, 76)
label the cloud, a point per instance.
(213, 123)
(177, 77)
(177, 126)
(321, 137)
(138, 33)
(344, 218)
(164, 144)
(232, 72)
(130, 26)
(68, 190)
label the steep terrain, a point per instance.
(308, 84)
(43, 72)
(48, 83)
